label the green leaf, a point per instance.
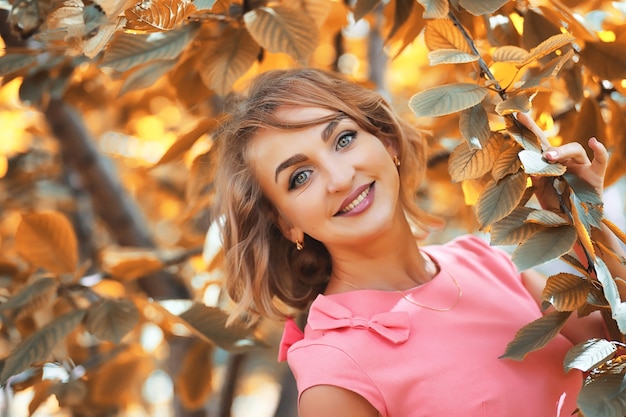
(435, 9)
(146, 75)
(128, 50)
(281, 29)
(482, 7)
(227, 59)
(546, 218)
(544, 246)
(466, 163)
(474, 126)
(14, 62)
(604, 396)
(566, 292)
(39, 345)
(509, 53)
(450, 56)
(548, 46)
(535, 164)
(588, 355)
(498, 199)
(204, 4)
(363, 7)
(535, 335)
(514, 229)
(111, 320)
(438, 101)
(31, 297)
(210, 323)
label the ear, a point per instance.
(289, 231)
(392, 148)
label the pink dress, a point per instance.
(409, 361)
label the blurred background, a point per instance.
(106, 117)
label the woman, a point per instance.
(317, 178)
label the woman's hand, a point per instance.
(573, 156)
(575, 159)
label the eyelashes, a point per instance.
(343, 141)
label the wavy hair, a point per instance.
(261, 265)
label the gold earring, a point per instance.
(299, 245)
(396, 160)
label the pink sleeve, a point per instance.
(318, 364)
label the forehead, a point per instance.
(269, 141)
(301, 114)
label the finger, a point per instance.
(600, 155)
(568, 154)
(527, 121)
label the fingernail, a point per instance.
(551, 155)
(593, 140)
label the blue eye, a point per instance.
(345, 139)
(298, 179)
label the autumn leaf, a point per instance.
(111, 319)
(47, 240)
(128, 50)
(442, 100)
(194, 382)
(566, 292)
(38, 346)
(588, 355)
(535, 335)
(282, 29)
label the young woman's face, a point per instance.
(332, 181)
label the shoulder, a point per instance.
(328, 400)
(468, 248)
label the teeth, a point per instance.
(356, 201)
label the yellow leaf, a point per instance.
(194, 381)
(119, 380)
(128, 263)
(47, 240)
(435, 9)
(509, 53)
(228, 58)
(282, 29)
(158, 15)
(566, 292)
(548, 46)
(442, 34)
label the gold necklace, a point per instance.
(411, 301)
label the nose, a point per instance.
(340, 175)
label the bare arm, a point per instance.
(330, 401)
(574, 157)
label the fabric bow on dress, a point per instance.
(328, 315)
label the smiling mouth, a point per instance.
(356, 201)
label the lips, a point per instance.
(355, 199)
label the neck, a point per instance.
(391, 262)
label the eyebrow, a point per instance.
(297, 158)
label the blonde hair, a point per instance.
(261, 265)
